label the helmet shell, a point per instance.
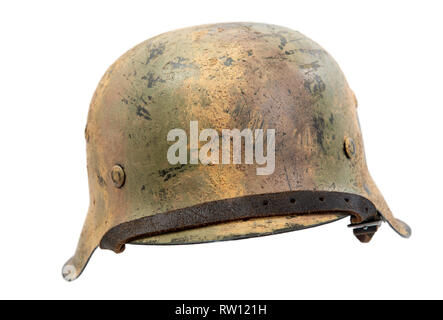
(225, 76)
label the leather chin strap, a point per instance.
(365, 219)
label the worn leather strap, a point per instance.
(359, 208)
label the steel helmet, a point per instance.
(165, 115)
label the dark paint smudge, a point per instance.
(319, 125)
(228, 62)
(142, 112)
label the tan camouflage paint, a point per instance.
(234, 75)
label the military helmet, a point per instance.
(221, 132)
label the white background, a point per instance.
(52, 55)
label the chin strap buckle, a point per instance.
(365, 230)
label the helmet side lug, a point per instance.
(118, 176)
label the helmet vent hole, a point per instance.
(265, 202)
(366, 209)
(346, 199)
(321, 199)
(292, 200)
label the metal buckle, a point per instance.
(366, 225)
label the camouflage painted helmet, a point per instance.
(246, 80)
